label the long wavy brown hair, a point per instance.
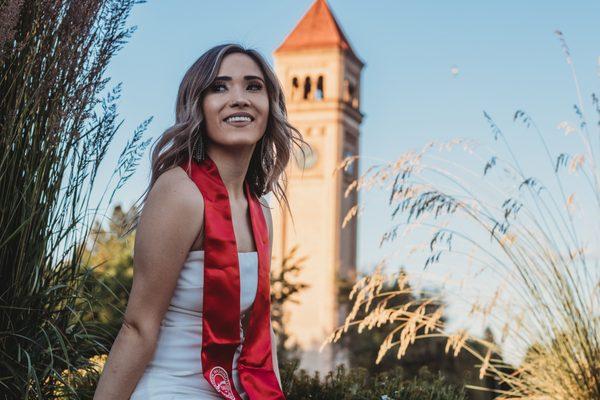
(266, 172)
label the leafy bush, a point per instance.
(354, 384)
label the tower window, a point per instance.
(319, 94)
(354, 97)
(345, 92)
(307, 88)
(295, 88)
(350, 93)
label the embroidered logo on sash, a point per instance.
(221, 382)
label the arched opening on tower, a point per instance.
(307, 88)
(295, 88)
(354, 96)
(319, 94)
(350, 94)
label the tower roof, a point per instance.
(318, 28)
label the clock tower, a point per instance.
(320, 74)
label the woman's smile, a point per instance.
(239, 119)
(238, 123)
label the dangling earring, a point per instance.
(198, 152)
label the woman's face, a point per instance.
(239, 88)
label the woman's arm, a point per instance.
(170, 222)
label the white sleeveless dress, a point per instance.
(175, 371)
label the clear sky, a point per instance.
(506, 53)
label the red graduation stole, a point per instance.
(221, 308)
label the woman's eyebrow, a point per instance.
(246, 77)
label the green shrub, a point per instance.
(355, 384)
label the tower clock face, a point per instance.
(306, 160)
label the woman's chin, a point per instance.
(236, 144)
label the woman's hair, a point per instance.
(176, 143)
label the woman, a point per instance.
(197, 324)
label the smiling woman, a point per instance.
(197, 323)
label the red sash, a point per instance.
(221, 317)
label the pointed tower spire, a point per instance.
(318, 28)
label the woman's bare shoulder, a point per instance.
(175, 186)
(174, 202)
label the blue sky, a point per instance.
(506, 52)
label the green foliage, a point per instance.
(56, 125)
(284, 289)
(355, 384)
(109, 257)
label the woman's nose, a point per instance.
(239, 97)
(241, 101)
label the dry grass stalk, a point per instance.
(526, 234)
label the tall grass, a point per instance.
(513, 241)
(55, 130)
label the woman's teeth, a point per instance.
(238, 119)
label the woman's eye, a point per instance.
(258, 86)
(216, 87)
